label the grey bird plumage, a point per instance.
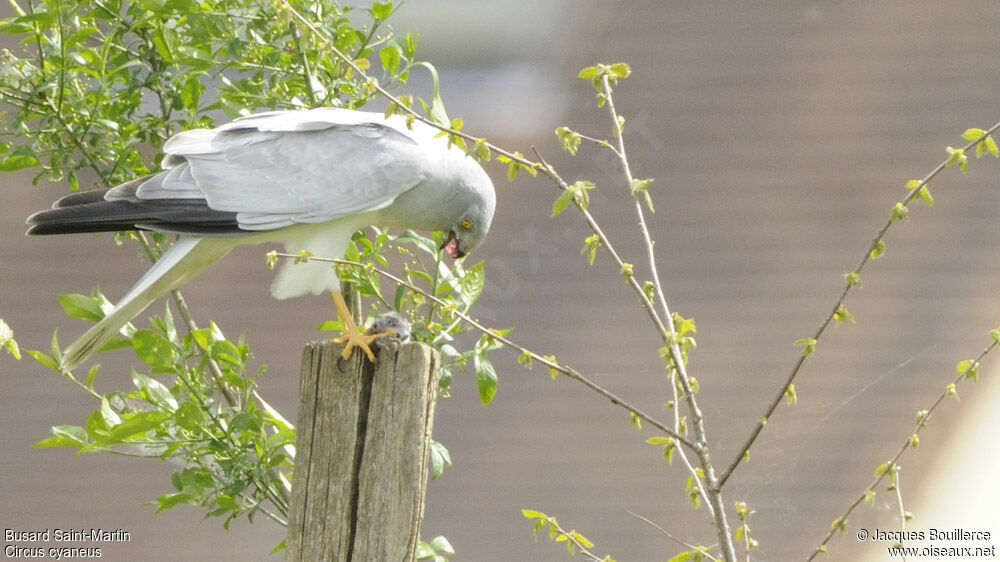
(307, 179)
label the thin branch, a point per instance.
(687, 463)
(189, 322)
(571, 536)
(566, 370)
(666, 533)
(640, 214)
(714, 488)
(661, 328)
(837, 306)
(306, 69)
(899, 502)
(603, 143)
(890, 466)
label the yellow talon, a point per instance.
(352, 337)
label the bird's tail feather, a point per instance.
(184, 260)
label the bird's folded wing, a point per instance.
(282, 168)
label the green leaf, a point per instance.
(621, 70)
(168, 501)
(899, 212)
(994, 335)
(7, 340)
(627, 270)
(137, 424)
(638, 188)
(562, 202)
(81, 306)
(970, 368)
(486, 379)
(65, 436)
(791, 398)
(808, 346)
(436, 111)
(479, 149)
(153, 349)
(44, 359)
(568, 139)
(957, 157)
(472, 283)
(55, 441)
(878, 250)
(22, 157)
(991, 146)
(97, 427)
(841, 315)
(202, 337)
(580, 189)
(440, 458)
(391, 56)
(441, 544)
(381, 10)
(17, 162)
(107, 413)
(189, 416)
(973, 134)
(590, 245)
(225, 351)
(925, 195)
(155, 392)
(425, 551)
(588, 73)
(191, 92)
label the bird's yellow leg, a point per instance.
(352, 337)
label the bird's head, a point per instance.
(474, 222)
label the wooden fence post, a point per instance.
(362, 453)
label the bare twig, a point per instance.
(603, 143)
(887, 468)
(850, 284)
(899, 502)
(704, 552)
(644, 301)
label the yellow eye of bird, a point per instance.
(466, 224)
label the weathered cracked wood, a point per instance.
(361, 453)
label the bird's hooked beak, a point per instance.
(451, 246)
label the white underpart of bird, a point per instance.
(306, 179)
